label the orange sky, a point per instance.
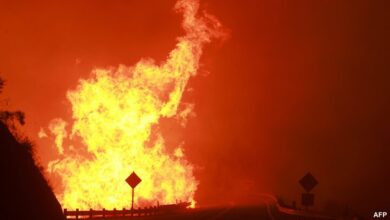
(299, 86)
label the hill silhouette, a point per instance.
(25, 194)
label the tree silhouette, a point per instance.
(25, 193)
(1, 84)
(10, 117)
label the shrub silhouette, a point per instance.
(24, 192)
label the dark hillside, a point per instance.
(25, 194)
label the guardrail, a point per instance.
(276, 211)
(147, 211)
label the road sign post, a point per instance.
(132, 199)
(308, 182)
(133, 180)
(307, 199)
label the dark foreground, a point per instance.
(217, 213)
(259, 212)
(24, 192)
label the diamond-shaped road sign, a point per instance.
(133, 180)
(308, 182)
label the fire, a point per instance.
(113, 115)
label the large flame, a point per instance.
(113, 115)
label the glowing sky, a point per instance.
(299, 85)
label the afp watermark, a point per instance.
(380, 214)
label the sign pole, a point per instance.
(132, 199)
